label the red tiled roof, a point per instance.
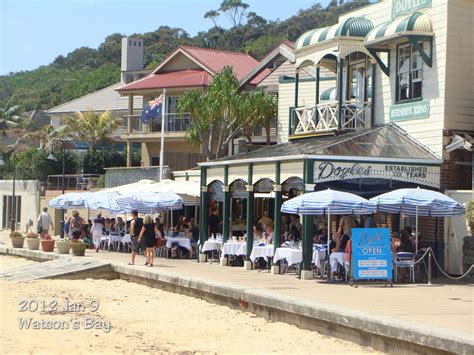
(216, 60)
(175, 79)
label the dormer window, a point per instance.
(409, 73)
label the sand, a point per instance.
(132, 318)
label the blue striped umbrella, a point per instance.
(417, 202)
(101, 199)
(70, 200)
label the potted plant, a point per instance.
(17, 239)
(33, 241)
(78, 247)
(47, 244)
(63, 245)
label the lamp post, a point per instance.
(53, 158)
(13, 200)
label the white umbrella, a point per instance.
(70, 200)
(327, 201)
(417, 202)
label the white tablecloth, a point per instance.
(292, 256)
(126, 238)
(182, 241)
(234, 248)
(337, 258)
(211, 244)
(265, 251)
(318, 257)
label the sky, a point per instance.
(35, 32)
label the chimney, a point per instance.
(132, 58)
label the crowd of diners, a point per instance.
(148, 233)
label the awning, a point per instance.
(328, 94)
(351, 27)
(417, 23)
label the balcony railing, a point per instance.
(323, 117)
(72, 181)
(174, 122)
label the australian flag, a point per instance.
(152, 109)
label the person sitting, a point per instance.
(120, 226)
(113, 226)
(257, 232)
(294, 234)
(107, 226)
(268, 234)
(193, 234)
(406, 244)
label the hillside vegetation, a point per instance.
(85, 70)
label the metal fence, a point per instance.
(121, 176)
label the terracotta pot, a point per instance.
(33, 243)
(78, 249)
(17, 242)
(47, 245)
(63, 247)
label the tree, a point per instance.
(234, 10)
(92, 127)
(212, 15)
(8, 117)
(221, 113)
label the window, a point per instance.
(409, 73)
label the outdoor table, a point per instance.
(261, 251)
(212, 244)
(182, 241)
(292, 256)
(319, 255)
(126, 240)
(234, 248)
(114, 239)
(337, 258)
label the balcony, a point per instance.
(323, 118)
(72, 181)
(174, 122)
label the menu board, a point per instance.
(372, 259)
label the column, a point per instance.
(297, 82)
(277, 216)
(129, 153)
(250, 193)
(203, 213)
(372, 98)
(226, 205)
(340, 92)
(307, 273)
(317, 93)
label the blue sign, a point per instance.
(372, 259)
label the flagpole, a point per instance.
(162, 140)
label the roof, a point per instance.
(387, 141)
(182, 78)
(212, 61)
(417, 23)
(101, 100)
(350, 27)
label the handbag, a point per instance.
(40, 225)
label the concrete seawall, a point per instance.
(381, 333)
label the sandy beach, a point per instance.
(124, 317)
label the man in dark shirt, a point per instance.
(213, 222)
(135, 228)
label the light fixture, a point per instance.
(51, 157)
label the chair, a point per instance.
(405, 260)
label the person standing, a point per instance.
(44, 222)
(135, 228)
(370, 221)
(75, 225)
(148, 233)
(97, 230)
(213, 223)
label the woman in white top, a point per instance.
(97, 230)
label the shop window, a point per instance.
(409, 73)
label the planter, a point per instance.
(47, 245)
(63, 247)
(17, 242)
(78, 249)
(33, 243)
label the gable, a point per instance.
(179, 62)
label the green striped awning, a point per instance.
(417, 23)
(351, 27)
(328, 94)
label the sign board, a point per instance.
(402, 7)
(418, 174)
(410, 111)
(371, 254)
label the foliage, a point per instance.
(221, 113)
(470, 216)
(32, 235)
(8, 117)
(100, 182)
(16, 235)
(86, 70)
(92, 127)
(94, 161)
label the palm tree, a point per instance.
(8, 117)
(91, 126)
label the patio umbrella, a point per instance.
(327, 201)
(101, 199)
(417, 202)
(146, 202)
(70, 200)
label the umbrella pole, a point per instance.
(416, 231)
(329, 234)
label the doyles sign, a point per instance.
(333, 171)
(371, 254)
(410, 111)
(402, 7)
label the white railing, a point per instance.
(324, 117)
(174, 123)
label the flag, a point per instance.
(152, 109)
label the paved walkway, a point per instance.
(445, 306)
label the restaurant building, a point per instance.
(400, 114)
